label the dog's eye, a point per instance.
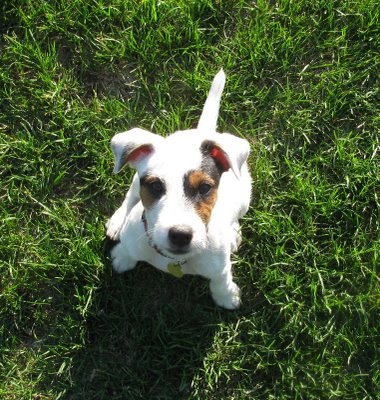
(204, 189)
(156, 188)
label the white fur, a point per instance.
(170, 159)
(209, 117)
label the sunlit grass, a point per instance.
(302, 87)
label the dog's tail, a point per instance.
(210, 111)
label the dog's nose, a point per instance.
(180, 235)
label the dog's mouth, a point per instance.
(179, 251)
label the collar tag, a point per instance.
(175, 270)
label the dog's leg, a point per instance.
(121, 260)
(224, 291)
(236, 237)
(116, 222)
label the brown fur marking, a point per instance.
(146, 195)
(203, 204)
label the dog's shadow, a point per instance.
(147, 336)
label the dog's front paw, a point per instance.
(113, 232)
(115, 223)
(121, 262)
(229, 299)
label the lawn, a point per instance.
(302, 87)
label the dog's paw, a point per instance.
(229, 299)
(112, 232)
(115, 223)
(121, 262)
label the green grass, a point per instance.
(302, 88)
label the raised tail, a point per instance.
(210, 112)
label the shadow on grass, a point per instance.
(147, 336)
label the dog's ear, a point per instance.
(227, 151)
(133, 147)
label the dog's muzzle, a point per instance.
(180, 237)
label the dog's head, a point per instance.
(179, 177)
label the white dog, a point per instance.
(181, 212)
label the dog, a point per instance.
(182, 209)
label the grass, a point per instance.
(302, 88)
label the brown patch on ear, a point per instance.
(204, 202)
(151, 190)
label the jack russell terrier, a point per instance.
(182, 209)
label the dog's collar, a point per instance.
(174, 268)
